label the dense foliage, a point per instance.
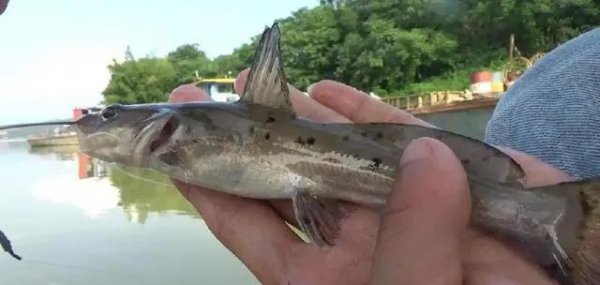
(385, 46)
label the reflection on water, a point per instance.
(78, 220)
(156, 195)
(66, 152)
(137, 191)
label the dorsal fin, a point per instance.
(266, 84)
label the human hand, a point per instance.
(3, 5)
(423, 238)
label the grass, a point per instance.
(457, 80)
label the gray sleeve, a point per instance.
(553, 111)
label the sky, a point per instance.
(54, 54)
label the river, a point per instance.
(78, 221)
(116, 226)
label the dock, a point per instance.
(68, 139)
(442, 101)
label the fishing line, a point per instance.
(135, 176)
(88, 269)
(81, 268)
(26, 125)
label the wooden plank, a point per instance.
(455, 106)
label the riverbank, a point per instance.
(69, 139)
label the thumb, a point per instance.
(425, 216)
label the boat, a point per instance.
(219, 89)
(64, 139)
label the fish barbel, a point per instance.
(258, 147)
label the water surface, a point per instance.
(78, 221)
(470, 123)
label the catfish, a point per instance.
(258, 147)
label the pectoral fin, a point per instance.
(319, 218)
(266, 84)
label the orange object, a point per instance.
(77, 113)
(83, 162)
(481, 82)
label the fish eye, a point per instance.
(108, 113)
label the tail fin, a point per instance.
(580, 262)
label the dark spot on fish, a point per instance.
(267, 136)
(310, 141)
(355, 155)
(188, 129)
(300, 141)
(486, 158)
(465, 161)
(252, 130)
(345, 138)
(379, 135)
(375, 163)
(364, 134)
(270, 119)
(306, 220)
(439, 136)
(331, 159)
(321, 204)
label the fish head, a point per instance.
(125, 134)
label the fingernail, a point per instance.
(418, 149)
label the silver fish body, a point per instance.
(259, 148)
(259, 152)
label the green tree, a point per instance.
(140, 80)
(237, 61)
(309, 41)
(386, 45)
(394, 56)
(189, 61)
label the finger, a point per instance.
(491, 259)
(302, 104)
(3, 5)
(358, 106)
(420, 231)
(188, 93)
(537, 172)
(250, 229)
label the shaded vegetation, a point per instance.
(385, 46)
